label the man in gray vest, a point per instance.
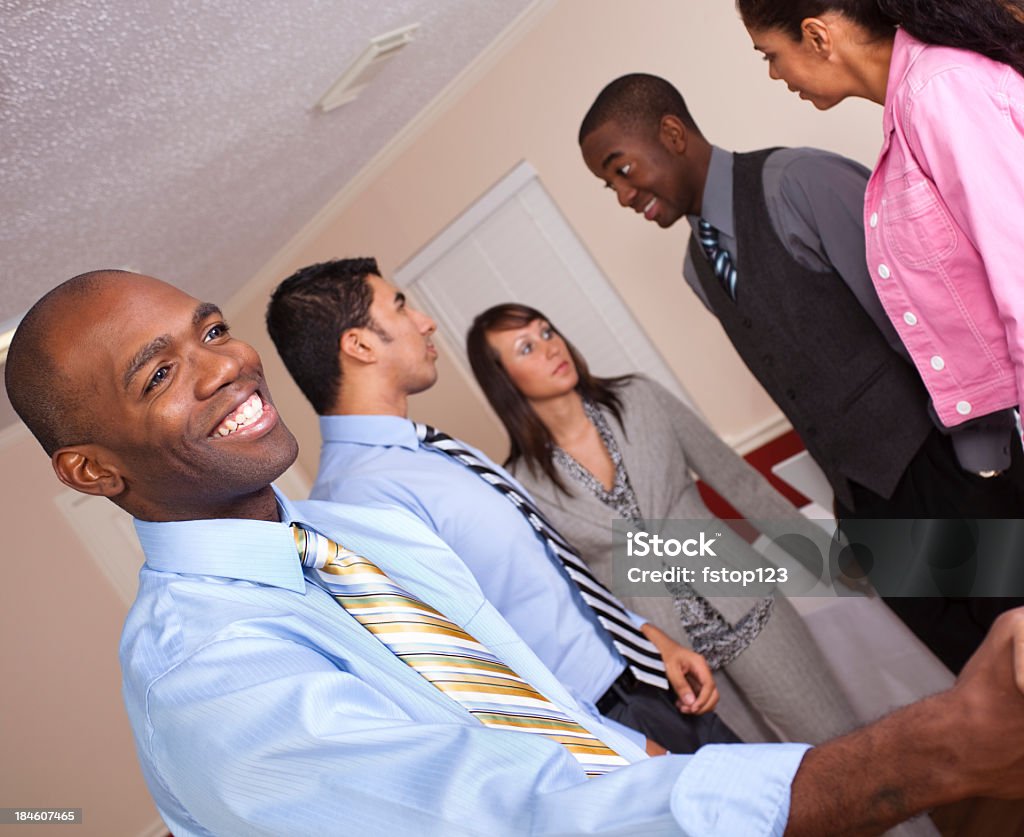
(776, 252)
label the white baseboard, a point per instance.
(759, 434)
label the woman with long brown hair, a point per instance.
(591, 449)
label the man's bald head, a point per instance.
(140, 393)
(42, 393)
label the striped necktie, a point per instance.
(721, 261)
(640, 654)
(443, 653)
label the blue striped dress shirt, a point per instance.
(259, 706)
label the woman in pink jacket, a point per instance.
(944, 208)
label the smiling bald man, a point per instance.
(261, 706)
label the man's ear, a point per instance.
(355, 344)
(673, 134)
(87, 468)
(817, 34)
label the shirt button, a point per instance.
(873, 220)
(938, 364)
(963, 407)
(909, 319)
(883, 271)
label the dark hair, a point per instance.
(42, 394)
(787, 15)
(307, 314)
(993, 28)
(529, 439)
(636, 101)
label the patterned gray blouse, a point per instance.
(710, 633)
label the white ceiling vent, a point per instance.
(366, 67)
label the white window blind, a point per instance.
(514, 245)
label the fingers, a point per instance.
(694, 685)
(707, 690)
(686, 699)
(706, 701)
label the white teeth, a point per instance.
(650, 203)
(250, 410)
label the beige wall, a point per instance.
(66, 741)
(61, 690)
(529, 105)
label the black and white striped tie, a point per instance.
(640, 654)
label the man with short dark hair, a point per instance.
(264, 702)
(372, 358)
(776, 253)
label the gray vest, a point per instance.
(860, 409)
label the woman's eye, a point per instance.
(526, 349)
(624, 170)
(547, 334)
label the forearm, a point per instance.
(871, 779)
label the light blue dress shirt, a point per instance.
(379, 460)
(261, 707)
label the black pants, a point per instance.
(653, 712)
(935, 486)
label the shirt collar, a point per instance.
(248, 550)
(905, 50)
(716, 206)
(382, 431)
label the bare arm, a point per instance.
(965, 742)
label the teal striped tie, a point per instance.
(444, 654)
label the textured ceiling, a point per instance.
(179, 138)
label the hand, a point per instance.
(654, 748)
(687, 671)
(965, 742)
(991, 690)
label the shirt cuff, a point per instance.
(636, 619)
(730, 789)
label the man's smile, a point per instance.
(248, 418)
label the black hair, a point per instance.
(307, 314)
(636, 102)
(993, 28)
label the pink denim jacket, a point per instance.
(944, 224)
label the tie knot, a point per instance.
(315, 550)
(429, 435)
